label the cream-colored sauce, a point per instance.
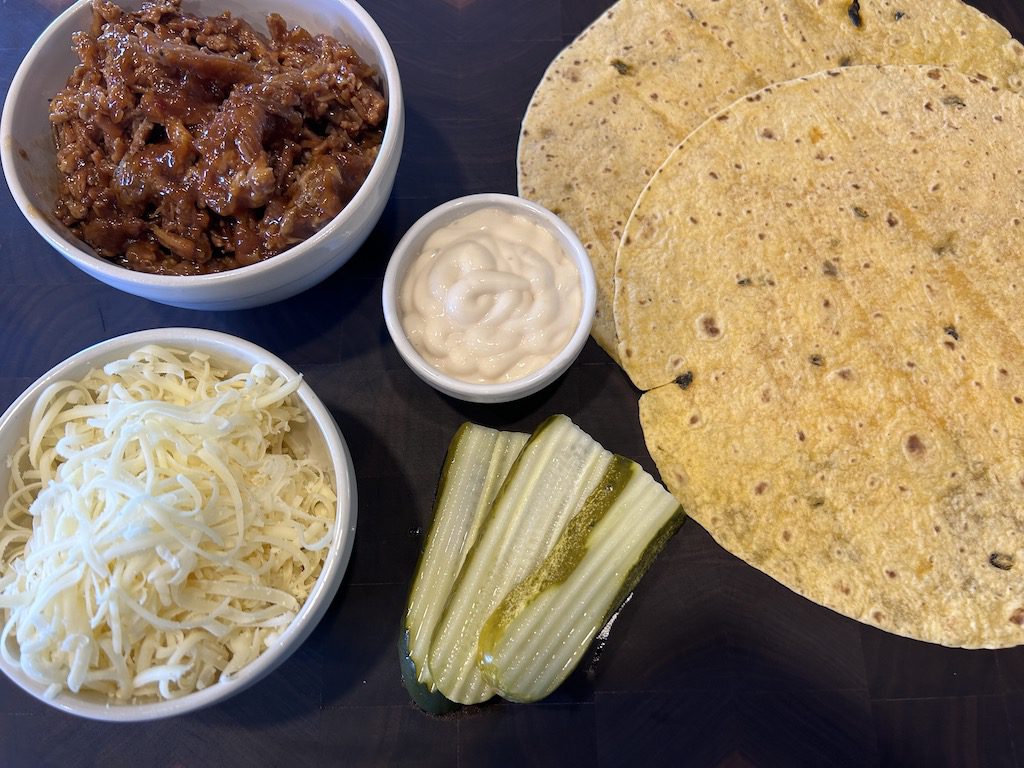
(491, 298)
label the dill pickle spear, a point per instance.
(552, 478)
(476, 464)
(541, 629)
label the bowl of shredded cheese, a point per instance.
(178, 512)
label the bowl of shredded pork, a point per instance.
(178, 513)
(209, 154)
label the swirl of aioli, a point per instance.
(491, 298)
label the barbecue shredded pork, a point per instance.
(190, 145)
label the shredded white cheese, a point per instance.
(163, 526)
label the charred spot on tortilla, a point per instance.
(1001, 560)
(709, 327)
(854, 13)
(622, 67)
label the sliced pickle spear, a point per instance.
(541, 629)
(477, 463)
(549, 483)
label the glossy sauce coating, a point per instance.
(189, 145)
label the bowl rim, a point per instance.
(335, 563)
(81, 254)
(441, 216)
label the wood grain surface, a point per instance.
(711, 663)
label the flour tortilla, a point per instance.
(615, 102)
(822, 288)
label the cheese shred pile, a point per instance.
(162, 527)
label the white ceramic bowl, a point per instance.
(28, 155)
(410, 247)
(325, 442)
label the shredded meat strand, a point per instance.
(190, 145)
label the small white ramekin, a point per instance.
(410, 247)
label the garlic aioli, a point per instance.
(491, 297)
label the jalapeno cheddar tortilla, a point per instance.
(821, 290)
(615, 102)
